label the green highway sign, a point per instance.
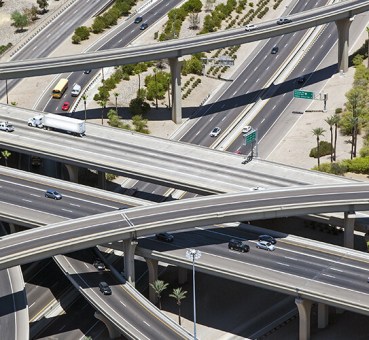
(303, 94)
(250, 137)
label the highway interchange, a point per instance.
(206, 129)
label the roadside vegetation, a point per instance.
(104, 21)
(351, 121)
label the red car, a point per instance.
(65, 106)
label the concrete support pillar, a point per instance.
(304, 308)
(348, 225)
(182, 275)
(152, 265)
(113, 332)
(323, 313)
(72, 172)
(343, 28)
(101, 181)
(175, 69)
(12, 228)
(129, 247)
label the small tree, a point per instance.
(159, 286)
(31, 13)
(102, 103)
(6, 154)
(138, 106)
(318, 132)
(43, 4)
(83, 32)
(336, 122)
(179, 295)
(140, 124)
(194, 19)
(19, 20)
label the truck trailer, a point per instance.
(59, 123)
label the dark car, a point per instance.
(104, 288)
(282, 21)
(166, 237)
(99, 265)
(144, 26)
(238, 245)
(275, 50)
(53, 194)
(138, 20)
(87, 71)
(301, 80)
(267, 238)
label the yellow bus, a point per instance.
(60, 88)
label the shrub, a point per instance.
(358, 165)
(76, 39)
(332, 168)
(338, 110)
(83, 32)
(324, 149)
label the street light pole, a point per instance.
(193, 254)
(6, 91)
(156, 90)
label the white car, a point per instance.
(246, 129)
(250, 27)
(265, 245)
(215, 132)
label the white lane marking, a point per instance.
(291, 258)
(30, 306)
(146, 323)
(48, 35)
(86, 265)
(67, 210)
(123, 303)
(283, 264)
(329, 275)
(75, 205)
(337, 270)
(35, 195)
(62, 327)
(26, 200)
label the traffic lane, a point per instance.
(33, 194)
(48, 39)
(298, 260)
(249, 82)
(42, 45)
(282, 102)
(119, 301)
(132, 30)
(124, 35)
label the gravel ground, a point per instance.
(8, 34)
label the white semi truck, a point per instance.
(56, 122)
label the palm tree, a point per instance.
(336, 122)
(84, 97)
(6, 154)
(330, 121)
(318, 132)
(159, 286)
(116, 94)
(103, 105)
(179, 295)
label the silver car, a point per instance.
(215, 132)
(265, 245)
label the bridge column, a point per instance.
(152, 265)
(101, 180)
(175, 69)
(13, 228)
(323, 311)
(343, 28)
(72, 172)
(304, 308)
(113, 332)
(348, 225)
(129, 247)
(182, 275)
